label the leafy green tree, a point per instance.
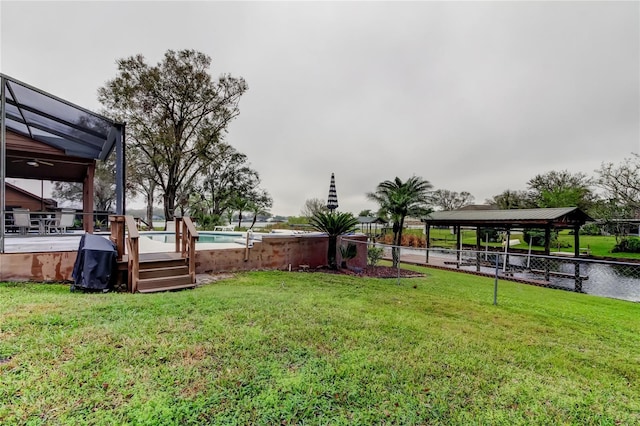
(240, 204)
(367, 213)
(562, 189)
(397, 200)
(259, 204)
(226, 176)
(621, 182)
(104, 187)
(174, 112)
(333, 224)
(141, 180)
(509, 199)
(312, 206)
(450, 200)
(610, 215)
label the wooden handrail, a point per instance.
(133, 246)
(190, 226)
(131, 227)
(186, 237)
(124, 232)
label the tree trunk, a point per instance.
(239, 219)
(395, 251)
(150, 192)
(169, 203)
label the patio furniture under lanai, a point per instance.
(22, 219)
(61, 221)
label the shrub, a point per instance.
(627, 245)
(590, 229)
(333, 224)
(494, 235)
(537, 235)
(374, 254)
(348, 252)
(408, 240)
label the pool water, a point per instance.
(204, 237)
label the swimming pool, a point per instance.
(204, 237)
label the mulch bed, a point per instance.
(373, 272)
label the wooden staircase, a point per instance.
(152, 272)
(162, 272)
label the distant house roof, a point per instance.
(564, 217)
(48, 202)
(367, 219)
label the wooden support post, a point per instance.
(458, 246)
(87, 199)
(427, 242)
(547, 250)
(506, 251)
(478, 241)
(178, 233)
(577, 278)
(576, 242)
(117, 233)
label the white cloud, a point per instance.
(476, 97)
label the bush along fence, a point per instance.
(614, 279)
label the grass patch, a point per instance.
(277, 347)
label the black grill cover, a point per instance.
(95, 263)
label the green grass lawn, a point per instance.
(312, 348)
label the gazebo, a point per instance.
(44, 137)
(545, 218)
(367, 222)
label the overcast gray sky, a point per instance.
(472, 96)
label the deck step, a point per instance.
(123, 265)
(171, 288)
(170, 271)
(162, 263)
(176, 282)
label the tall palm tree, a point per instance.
(334, 224)
(397, 200)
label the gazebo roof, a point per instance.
(368, 219)
(564, 217)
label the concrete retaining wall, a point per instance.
(274, 252)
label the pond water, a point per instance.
(618, 280)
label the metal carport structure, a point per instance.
(37, 127)
(544, 218)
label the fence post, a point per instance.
(578, 279)
(546, 269)
(398, 267)
(495, 284)
(458, 246)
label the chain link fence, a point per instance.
(614, 279)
